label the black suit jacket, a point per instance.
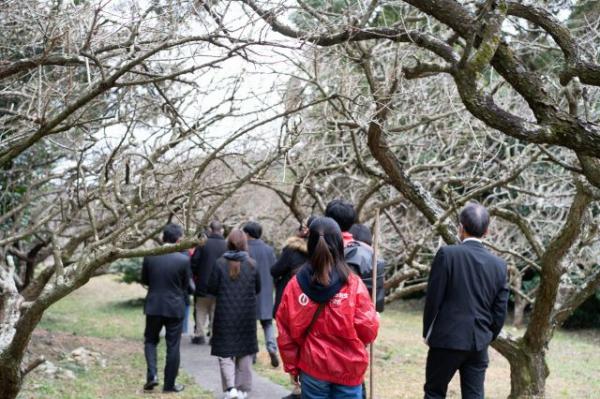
(167, 277)
(204, 259)
(467, 296)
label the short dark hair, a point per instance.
(342, 212)
(361, 233)
(215, 226)
(475, 219)
(172, 233)
(253, 229)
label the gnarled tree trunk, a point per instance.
(17, 323)
(528, 368)
(10, 378)
(527, 355)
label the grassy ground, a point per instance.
(106, 317)
(111, 313)
(573, 358)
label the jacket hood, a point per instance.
(297, 244)
(315, 291)
(236, 255)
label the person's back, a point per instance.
(345, 326)
(465, 307)
(293, 256)
(325, 320)
(205, 257)
(167, 278)
(203, 262)
(234, 282)
(235, 323)
(264, 257)
(466, 319)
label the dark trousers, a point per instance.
(173, 328)
(442, 364)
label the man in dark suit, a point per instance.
(167, 277)
(203, 260)
(465, 308)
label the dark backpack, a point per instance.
(360, 259)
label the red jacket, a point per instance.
(334, 351)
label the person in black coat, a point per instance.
(293, 255)
(465, 308)
(167, 277)
(264, 256)
(203, 261)
(234, 282)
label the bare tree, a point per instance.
(403, 74)
(115, 119)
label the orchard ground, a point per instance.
(106, 316)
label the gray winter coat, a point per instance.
(264, 256)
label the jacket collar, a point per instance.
(472, 241)
(215, 235)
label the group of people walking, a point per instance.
(319, 293)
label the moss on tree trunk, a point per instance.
(528, 373)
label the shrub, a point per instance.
(129, 269)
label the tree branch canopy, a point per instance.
(552, 126)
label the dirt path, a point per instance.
(197, 361)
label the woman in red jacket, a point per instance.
(325, 320)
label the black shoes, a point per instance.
(176, 388)
(274, 359)
(150, 384)
(198, 340)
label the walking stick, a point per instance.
(374, 299)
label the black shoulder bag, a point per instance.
(309, 328)
(314, 319)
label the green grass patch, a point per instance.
(400, 355)
(112, 312)
(103, 316)
(103, 308)
(122, 378)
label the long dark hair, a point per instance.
(236, 241)
(326, 250)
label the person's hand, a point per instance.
(295, 379)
